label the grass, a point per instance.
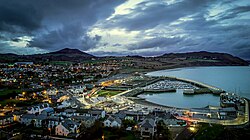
(9, 91)
(131, 70)
(17, 102)
(207, 132)
(108, 93)
(6, 93)
(119, 135)
(60, 62)
(205, 60)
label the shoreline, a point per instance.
(147, 103)
(172, 68)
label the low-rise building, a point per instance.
(66, 127)
(6, 120)
(97, 113)
(148, 128)
(86, 121)
(32, 119)
(38, 108)
(112, 122)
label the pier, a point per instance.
(214, 89)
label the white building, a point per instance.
(67, 127)
(38, 108)
(77, 89)
(112, 122)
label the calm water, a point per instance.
(230, 78)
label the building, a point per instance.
(38, 108)
(86, 121)
(112, 122)
(227, 113)
(32, 119)
(6, 120)
(47, 111)
(53, 121)
(130, 115)
(148, 128)
(66, 127)
(97, 113)
(23, 63)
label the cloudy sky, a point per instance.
(125, 27)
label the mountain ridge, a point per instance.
(185, 59)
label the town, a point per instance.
(93, 100)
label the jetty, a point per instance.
(215, 90)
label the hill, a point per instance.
(178, 60)
(206, 58)
(166, 61)
(71, 55)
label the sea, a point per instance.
(233, 79)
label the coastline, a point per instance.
(147, 103)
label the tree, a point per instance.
(163, 132)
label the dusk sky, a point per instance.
(125, 27)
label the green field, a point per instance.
(60, 62)
(6, 93)
(18, 102)
(209, 132)
(108, 93)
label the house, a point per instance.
(86, 121)
(70, 112)
(148, 127)
(38, 108)
(112, 122)
(130, 115)
(77, 89)
(52, 121)
(36, 120)
(64, 104)
(47, 111)
(17, 115)
(5, 120)
(67, 127)
(97, 113)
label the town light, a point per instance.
(192, 129)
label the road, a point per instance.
(240, 120)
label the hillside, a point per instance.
(178, 60)
(71, 55)
(166, 61)
(205, 58)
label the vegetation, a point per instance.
(60, 62)
(209, 132)
(97, 131)
(108, 93)
(128, 123)
(163, 132)
(19, 103)
(7, 93)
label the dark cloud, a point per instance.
(71, 36)
(186, 25)
(159, 42)
(18, 16)
(54, 24)
(152, 13)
